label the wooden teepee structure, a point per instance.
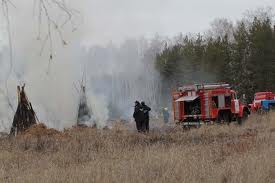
(84, 112)
(25, 116)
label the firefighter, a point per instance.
(146, 111)
(165, 114)
(138, 116)
(195, 110)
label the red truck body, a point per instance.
(206, 103)
(258, 98)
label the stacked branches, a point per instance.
(55, 14)
(25, 116)
(84, 112)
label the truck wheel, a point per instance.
(227, 117)
(244, 118)
(219, 119)
(272, 107)
(224, 117)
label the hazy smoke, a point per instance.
(115, 76)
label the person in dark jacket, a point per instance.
(138, 116)
(146, 111)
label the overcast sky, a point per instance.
(119, 19)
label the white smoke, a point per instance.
(116, 75)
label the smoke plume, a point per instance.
(115, 75)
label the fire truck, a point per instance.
(207, 103)
(262, 100)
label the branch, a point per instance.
(5, 7)
(44, 7)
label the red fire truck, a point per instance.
(202, 103)
(258, 98)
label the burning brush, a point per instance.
(84, 112)
(25, 116)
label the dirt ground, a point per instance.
(216, 153)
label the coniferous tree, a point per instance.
(245, 59)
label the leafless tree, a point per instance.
(45, 11)
(221, 27)
(45, 16)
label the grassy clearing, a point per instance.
(217, 153)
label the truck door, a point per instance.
(235, 104)
(178, 107)
(221, 102)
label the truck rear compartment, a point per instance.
(192, 107)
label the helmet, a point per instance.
(142, 103)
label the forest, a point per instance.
(241, 53)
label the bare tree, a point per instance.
(45, 16)
(45, 9)
(261, 13)
(221, 27)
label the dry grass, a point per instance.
(209, 154)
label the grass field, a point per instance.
(217, 153)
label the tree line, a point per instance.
(242, 54)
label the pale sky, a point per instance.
(116, 20)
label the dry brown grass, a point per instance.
(218, 153)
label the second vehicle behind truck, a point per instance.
(263, 101)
